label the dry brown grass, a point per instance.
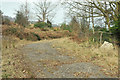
(84, 52)
(13, 62)
(14, 65)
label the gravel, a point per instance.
(43, 51)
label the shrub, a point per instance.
(49, 24)
(66, 27)
(28, 36)
(21, 19)
(10, 31)
(40, 24)
(44, 29)
(38, 37)
(21, 34)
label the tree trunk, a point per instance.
(101, 38)
(44, 16)
(119, 7)
(105, 9)
(93, 23)
(89, 19)
(108, 21)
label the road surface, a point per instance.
(47, 62)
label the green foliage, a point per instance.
(21, 19)
(41, 24)
(115, 30)
(49, 23)
(66, 27)
(106, 36)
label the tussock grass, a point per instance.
(14, 65)
(85, 52)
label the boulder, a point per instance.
(107, 46)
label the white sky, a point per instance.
(27, 0)
(9, 8)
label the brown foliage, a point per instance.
(34, 33)
(20, 33)
(75, 38)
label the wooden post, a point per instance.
(101, 38)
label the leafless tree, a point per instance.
(79, 11)
(105, 9)
(44, 10)
(24, 8)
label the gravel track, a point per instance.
(49, 63)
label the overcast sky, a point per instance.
(9, 8)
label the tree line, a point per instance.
(89, 10)
(83, 14)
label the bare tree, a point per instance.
(103, 8)
(24, 8)
(79, 11)
(44, 10)
(21, 19)
(23, 15)
(110, 9)
(75, 24)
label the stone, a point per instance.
(107, 46)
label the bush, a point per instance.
(38, 37)
(66, 27)
(21, 34)
(29, 36)
(10, 31)
(41, 24)
(44, 29)
(21, 19)
(49, 24)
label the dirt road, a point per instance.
(47, 62)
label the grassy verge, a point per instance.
(85, 52)
(14, 64)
